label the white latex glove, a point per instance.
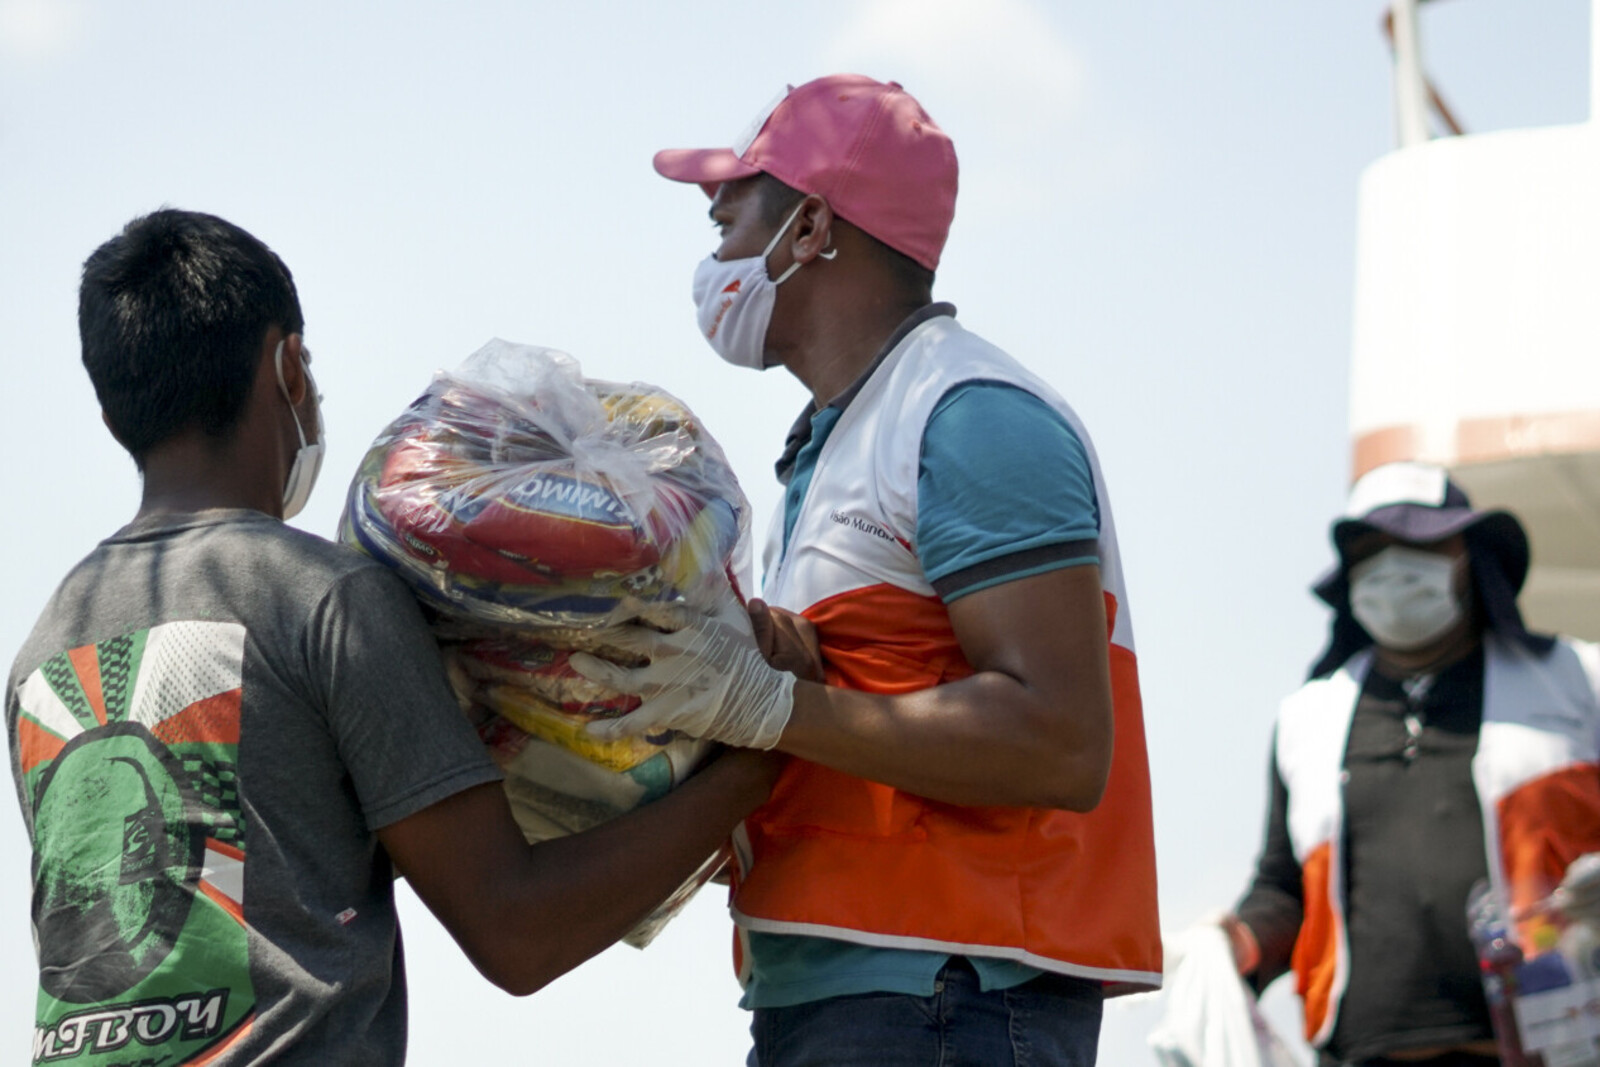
(707, 680)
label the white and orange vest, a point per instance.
(836, 856)
(1537, 774)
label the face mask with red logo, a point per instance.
(734, 299)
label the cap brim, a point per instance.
(706, 167)
(1423, 525)
(1499, 532)
(1407, 522)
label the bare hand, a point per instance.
(788, 641)
(1242, 940)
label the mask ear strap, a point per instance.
(277, 365)
(283, 387)
(831, 253)
(767, 251)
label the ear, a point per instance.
(110, 428)
(291, 365)
(814, 237)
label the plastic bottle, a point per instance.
(1498, 959)
(1576, 902)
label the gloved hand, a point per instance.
(708, 680)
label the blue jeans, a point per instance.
(1051, 1021)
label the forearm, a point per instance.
(631, 863)
(1032, 726)
(543, 909)
(986, 740)
(1274, 907)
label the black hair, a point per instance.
(778, 199)
(171, 315)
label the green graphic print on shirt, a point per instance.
(128, 750)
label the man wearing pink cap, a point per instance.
(958, 865)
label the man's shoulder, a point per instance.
(1339, 689)
(297, 570)
(945, 355)
(944, 337)
(148, 573)
(313, 554)
(1569, 669)
(252, 541)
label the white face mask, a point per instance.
(308, 460)
(1405, 597)
(734, 299)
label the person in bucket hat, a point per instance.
(957, 858)
(1438, 745)
(1418, 504)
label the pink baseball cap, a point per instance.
(864, 146)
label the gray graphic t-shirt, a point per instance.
(207, 725)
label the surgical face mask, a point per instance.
(734, 300)
(1405, 597)
(308, 460)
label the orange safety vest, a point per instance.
(1537, 773)
(836, 856)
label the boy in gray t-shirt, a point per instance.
(210, 723)
(223, 730)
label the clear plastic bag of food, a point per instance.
(517, 492)
(532, 509)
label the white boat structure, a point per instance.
(1476, 339)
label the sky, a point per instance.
(1157, 214)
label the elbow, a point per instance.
(1081, 762)
(521, 948)
(1085, 800)
(1075, 780)
(1062, 786)
(517, 977)
(518, 965)
(520, 988)
(1080, 792)
(1053, 755)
